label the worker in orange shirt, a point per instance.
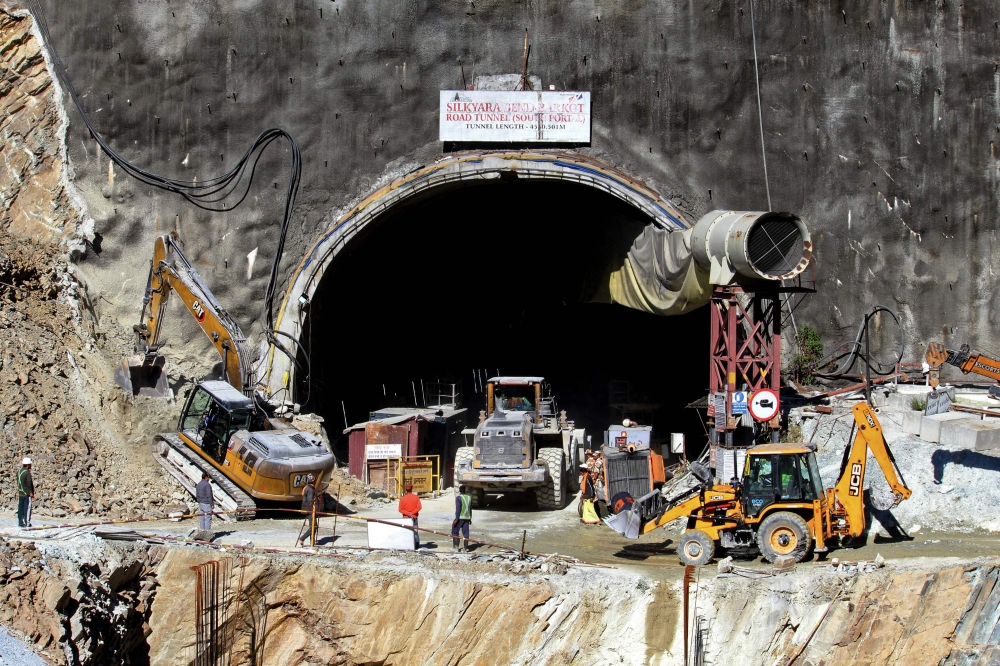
(409, 507)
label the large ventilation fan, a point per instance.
(736, 246)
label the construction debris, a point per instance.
(48, 363)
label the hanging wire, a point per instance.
(763, 150)
(760, 113)
(213, 194)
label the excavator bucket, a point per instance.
(139, 377)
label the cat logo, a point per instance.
(855, 486)
(199, 311)
(299, 480)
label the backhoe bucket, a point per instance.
(626, 523)
(139, 377)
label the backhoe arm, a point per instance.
(849, 490)
(175, 274)
(965, 360)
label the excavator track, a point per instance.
(186, 466)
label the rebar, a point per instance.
(213, 638)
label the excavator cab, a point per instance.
(213, 412)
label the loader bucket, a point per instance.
(139, 377)
(626, 523)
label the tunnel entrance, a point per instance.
(479, 277)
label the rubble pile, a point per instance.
(44, 379)
(88, 605)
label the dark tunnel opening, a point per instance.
(471, 279)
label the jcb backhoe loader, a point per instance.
(226, 428)
(779, 507)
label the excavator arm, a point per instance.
(964, 359)
(849, 490)
(170, 271)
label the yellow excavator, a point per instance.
(226, 428)
(779, 507)
(965, 359)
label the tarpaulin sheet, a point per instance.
(659, 275)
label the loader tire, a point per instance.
(784, 534)
(695, 548)
(553, 494)
(478, 495)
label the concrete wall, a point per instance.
(880, 121)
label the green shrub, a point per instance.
(918, 404)
(810, 350)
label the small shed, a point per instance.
(404, 431)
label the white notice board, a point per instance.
(520, 116)
(383, 451)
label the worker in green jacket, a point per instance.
(463, 518)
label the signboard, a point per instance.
(514, 116)
(383, 451)
(418, 472)
(740, 402)
(764, 404)
(729, 463)
(719, 400)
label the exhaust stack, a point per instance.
(740, 246)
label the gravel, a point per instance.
(953, 490)
(14, 652)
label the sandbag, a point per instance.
(589, 516)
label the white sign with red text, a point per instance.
(515, 116)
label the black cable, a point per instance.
(206, 193)
(846, 354)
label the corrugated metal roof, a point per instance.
(392, 412)
(429, 415)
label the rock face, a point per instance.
(886, 617)
(82, 605)
(405, 610)
(409, 609)
(34, 202)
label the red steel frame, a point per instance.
(745, 343)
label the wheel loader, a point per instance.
(523, 443)
(226, 428)
(779, 507)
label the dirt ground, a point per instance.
(507, 520)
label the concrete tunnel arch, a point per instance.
(551, 166)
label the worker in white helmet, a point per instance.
(25, 493)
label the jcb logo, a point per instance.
(871, 421)
(199, 311)
(299, 480)
(855, 487)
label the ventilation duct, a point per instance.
(737, 246)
